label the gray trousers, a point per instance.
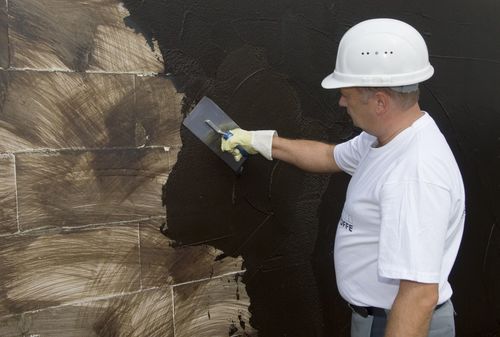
(442, 324)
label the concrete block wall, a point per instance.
(89, 132)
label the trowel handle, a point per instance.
(240, 148)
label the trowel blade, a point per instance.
(206, 109)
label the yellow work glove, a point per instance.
(251, 141)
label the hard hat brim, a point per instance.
(330, 82)
(336, 80)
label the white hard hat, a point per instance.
(380, 53)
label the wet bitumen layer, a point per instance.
(262, 62)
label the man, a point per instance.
(403, 217)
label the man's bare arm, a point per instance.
(308, 155)
(412, 310)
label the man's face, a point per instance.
(360, 109)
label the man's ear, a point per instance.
(382, 101)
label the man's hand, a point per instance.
(240, 138)
(251, 141)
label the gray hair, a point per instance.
(405, 96)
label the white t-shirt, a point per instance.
(403, 217)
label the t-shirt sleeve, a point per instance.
(347, 155)
(413, 231)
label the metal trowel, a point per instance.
(208, 123)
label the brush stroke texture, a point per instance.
(157, 112)
(82, 188)
(163, 262)
(63, 110)
(148, 313)
(4, 37)
(71, 110)
(77, 35)
(89, 149)
(47, 270)
(8, 212)
(55, 279)
(93, 149)
(212, 308)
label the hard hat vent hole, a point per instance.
(377, 52)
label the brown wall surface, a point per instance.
(94, 160)
(89, 133)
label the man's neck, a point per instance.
(398, 122)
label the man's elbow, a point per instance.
(430, 298)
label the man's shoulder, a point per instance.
(428, 159)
